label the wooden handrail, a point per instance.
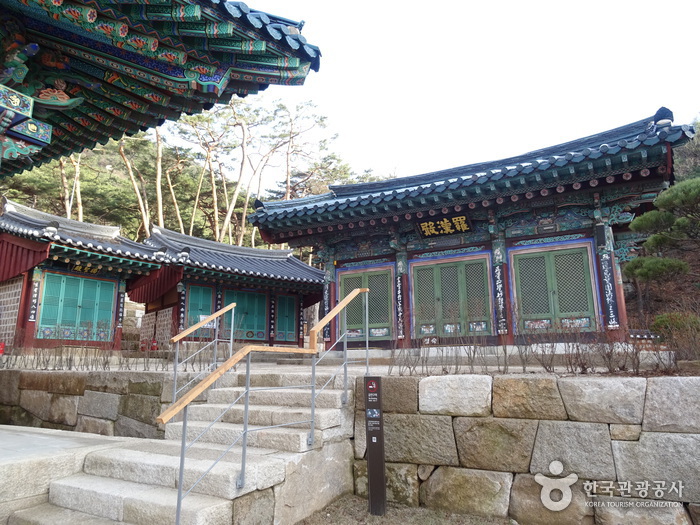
(201, 323)
(330, 315)
(205, 383)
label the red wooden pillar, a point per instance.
(30, 308)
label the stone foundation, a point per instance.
(479, 445)
(121, 403)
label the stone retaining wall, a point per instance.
(479, 445)
(120, 403)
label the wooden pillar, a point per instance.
(327, 256)
(300, 319)
(33, 289)
(272, 317)
(499, 277)
(401, 300)
(121, 296)
(608, 278)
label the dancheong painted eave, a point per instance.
(75, 73)
(607, 156)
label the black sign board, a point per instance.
(375, 446)
(437, 227)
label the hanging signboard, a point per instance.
(437, 227)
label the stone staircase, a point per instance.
(286, 479)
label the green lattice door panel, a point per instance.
(200, 306)
(554, 290)
(250, 316)
(286, 318)
(74, 308)
(451, 299)
(381, 318)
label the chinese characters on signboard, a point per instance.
(82, 268)
(444, 226)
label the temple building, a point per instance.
(64, 281)
(270, 288)
(77, 73)
(494, 250)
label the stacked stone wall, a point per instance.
(478, 444)
(10, 295)
(120, 403)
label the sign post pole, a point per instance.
(375, 446)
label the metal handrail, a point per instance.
(182, 404)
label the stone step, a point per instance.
(157, 468)
(136, 503)
(285, 438)
(276, 379)
(48, 514)
(267, 415)
(291, 397)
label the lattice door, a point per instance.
(451, 299)
(379, 303)
(554, 290)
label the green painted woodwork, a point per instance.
(286, 318)
(75, 308)
(199, 306)
(553, 290)
(452, 299)
(250, 314)
(381, 318)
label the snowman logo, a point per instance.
(551, 484)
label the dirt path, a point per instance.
(354, 510)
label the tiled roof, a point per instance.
(225, 258)
(584, 158)
(23, 221)
(90, 70)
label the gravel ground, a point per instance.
(354, 510)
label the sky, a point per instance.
(415, 87)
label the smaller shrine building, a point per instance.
(271, 288)
(64, 282)
(492, 251)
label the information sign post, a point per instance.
(375, 446)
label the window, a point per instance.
(554, 290)
(286, 318)
(74, 308)
(451, 299)
(380, 303)
(250, 314)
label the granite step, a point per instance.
(136, 503)
(48, 514)
(290, 397)
(162, 468)
(267, 415)
(284, 439)
(275, 379)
